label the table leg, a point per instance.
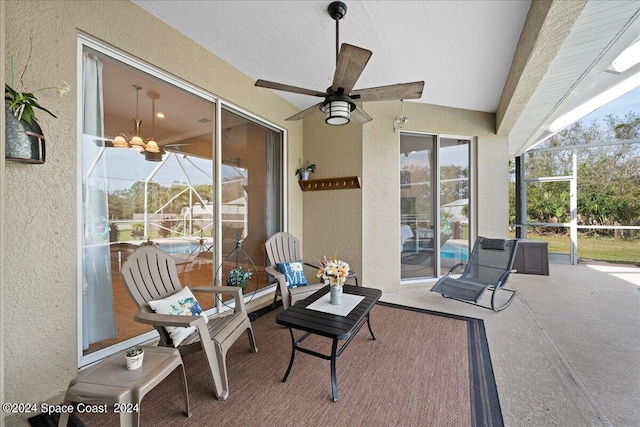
(334, 381)
(293, 354)
(369, 325)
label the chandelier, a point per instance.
(136, 141)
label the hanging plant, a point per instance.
(22, 104)
(24, 138)
(238, 277)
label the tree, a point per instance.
(608, 176)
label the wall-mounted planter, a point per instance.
(24, 143)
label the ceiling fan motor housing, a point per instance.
(337, 10)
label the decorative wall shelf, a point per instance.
(330, 183)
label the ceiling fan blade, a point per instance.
(304, 113)
(386, 93)
(359, 116)
(288, 88)
(351, 63)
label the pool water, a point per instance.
(185, 248)
(454, 251)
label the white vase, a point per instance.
(134, 362)
(304, 175)
(335, 295)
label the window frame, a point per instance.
(472, 152)
(85, 40)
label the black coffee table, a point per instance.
(336, 327)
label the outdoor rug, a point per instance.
(424, 369)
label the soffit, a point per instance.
(577, 73)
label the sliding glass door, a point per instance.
(434, 204)
(454, 201)
(418, 218)
(168, 188)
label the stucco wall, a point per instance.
(334, 216)
(40, 218)
(374, 224)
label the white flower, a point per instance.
(333, 272)
(64, 89)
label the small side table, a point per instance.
(109, 382)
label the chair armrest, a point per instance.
(231, 290)
(316, 266)
(452, 269)
(271, 271)
(156, 319)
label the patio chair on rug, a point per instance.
(151, 278)
(287, 269)
(488, 268)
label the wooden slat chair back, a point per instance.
(488, 268)
(281, 248)
(150, 274)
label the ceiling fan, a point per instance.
(338, 104)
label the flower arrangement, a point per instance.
(333, 272)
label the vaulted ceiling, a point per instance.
(527, 62)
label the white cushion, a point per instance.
(182, 303)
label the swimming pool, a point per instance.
(184, 248)
(454, 251)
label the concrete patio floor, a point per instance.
(566, 352)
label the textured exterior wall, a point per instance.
(333, 218)
(40, 213)
(381, 180)
(2, 207)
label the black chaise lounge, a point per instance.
(488, 268)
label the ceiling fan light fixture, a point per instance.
(152, 146)
(120, 142)
(136, 141)
(337, 110)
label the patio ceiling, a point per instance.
(463, 50)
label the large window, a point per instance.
(432, 237)
(211, 212)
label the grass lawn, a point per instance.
(595, 248)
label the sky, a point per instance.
(618, 107)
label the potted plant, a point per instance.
(304, 171)
(238, 277)
(134, 357)
(24, 138)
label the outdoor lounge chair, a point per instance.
(284, 248)
(150, 275)
(420, 256)
(488, 269)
